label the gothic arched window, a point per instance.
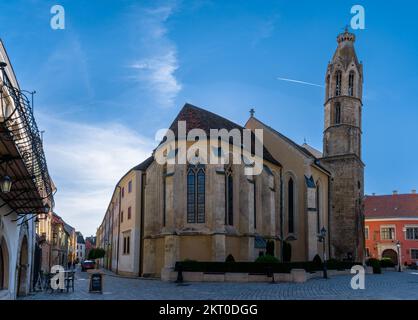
(1, 269)
(351, 84)
(291, 205)
(337, 113)
(164, 195)
(338, 77)
(327, 87)
(196, 194)
(318, 208)
(229, 197)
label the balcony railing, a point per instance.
(18, 124)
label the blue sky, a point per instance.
(121, 70)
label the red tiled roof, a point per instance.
(391, 206)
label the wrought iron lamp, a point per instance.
(6, 184)
(46, 208)
(398, 246)
(322, 237)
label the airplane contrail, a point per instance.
(300, 82)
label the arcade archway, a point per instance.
(4, 265)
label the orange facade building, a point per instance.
(391, 227)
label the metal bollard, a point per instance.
(179, 273)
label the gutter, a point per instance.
(141, 236)
(117, 249)
(329, 215)
(281, 215)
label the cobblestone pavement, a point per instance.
(390, 285)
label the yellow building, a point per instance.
(207, 211)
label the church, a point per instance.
(303, 201)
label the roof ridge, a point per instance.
(187, 104)
(298, 146)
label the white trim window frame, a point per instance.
(393, 236)
(414, 232)
(416, 255)
(366, 233)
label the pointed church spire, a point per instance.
(345, 52)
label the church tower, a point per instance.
(342, 150)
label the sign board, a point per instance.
(311, 199)
(96, 283)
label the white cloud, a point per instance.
(85, 162)
(155, 69)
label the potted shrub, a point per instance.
(375, 264)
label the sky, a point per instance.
(121, 70)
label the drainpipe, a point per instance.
(281, 216)
(117, 249)
(141, 236)
(329, 215)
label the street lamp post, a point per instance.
(398, 246)
(321, 238)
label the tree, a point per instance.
(96, 253)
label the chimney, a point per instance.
(414, 191)
(395, 192)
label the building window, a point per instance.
(351, 84)
(411, 233)
(291, 205)
(366, 233)
(123, 192)
(414, 254)
(318, 209)
(126, 243)
(367, 252)
(196, 194)
(229, 197)
(121, 216)
(387, 233)
(337, 113)
(129, 213)
(130, 186)
(338, 76)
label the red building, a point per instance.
(391, 226)
(90, 244)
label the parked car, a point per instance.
(87, 264)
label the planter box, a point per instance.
(298, 275)
(236, 277)
(282, 277)
(258, 278)
(213, 277)
(338, 272)
(314, 275)
(369, 270)
(192, 276)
